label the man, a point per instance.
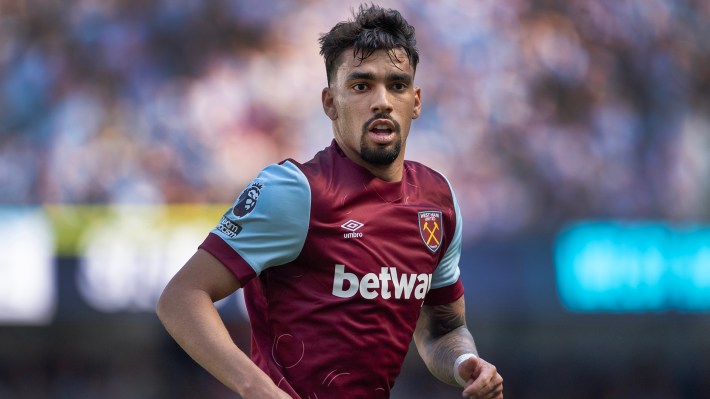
(343, 259)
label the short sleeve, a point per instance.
(446, 284)
(267, 225)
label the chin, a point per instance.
(380, 155)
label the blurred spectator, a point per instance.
(539, 111)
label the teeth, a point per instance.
(381, 127)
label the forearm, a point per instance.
(440, 352)
(192, 320)
(441, 337)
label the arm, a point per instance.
(441, 337)
(186, 309)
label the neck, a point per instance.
(390, 173)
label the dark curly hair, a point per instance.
(373, 28)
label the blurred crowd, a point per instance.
(538, 111)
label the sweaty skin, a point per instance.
(372, 103)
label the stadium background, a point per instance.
(575, 132)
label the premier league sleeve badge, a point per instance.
(247, 199)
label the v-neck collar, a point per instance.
(387, 191)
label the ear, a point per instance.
(417, 103)
(328, 104)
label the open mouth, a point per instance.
(382, 131)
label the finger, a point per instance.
(486, 383)
(482, 384)
(470, 369)
(486, 393)
(471, 366)
(497, 393)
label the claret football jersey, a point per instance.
(336, 265)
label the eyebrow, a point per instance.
(360, 76)
(391, 77)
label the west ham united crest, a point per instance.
(431, 229)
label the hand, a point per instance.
(482, 379)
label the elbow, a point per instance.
(162, 307)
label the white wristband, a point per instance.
(457, 364)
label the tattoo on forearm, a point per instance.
(441, 336)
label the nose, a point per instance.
(381, 101)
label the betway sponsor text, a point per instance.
(388, 284)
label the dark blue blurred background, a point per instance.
(576, 134)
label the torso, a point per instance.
(313, 329)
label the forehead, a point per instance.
(379, 60)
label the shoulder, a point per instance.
(424, 171)
(278, 187)
(427, 178)
(285, 175)
(436, 188)
(322, 163)
(287, 169)
(327, 171)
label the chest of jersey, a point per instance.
(374, 249)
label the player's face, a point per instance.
(372, 103)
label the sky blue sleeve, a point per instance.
(268, 223)
(448, 272)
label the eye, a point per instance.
(399, 86)
(360, 87)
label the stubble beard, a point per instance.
(380, 155)
(377, 154)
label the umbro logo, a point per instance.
(353, 226)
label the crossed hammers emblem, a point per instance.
(431, 232)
